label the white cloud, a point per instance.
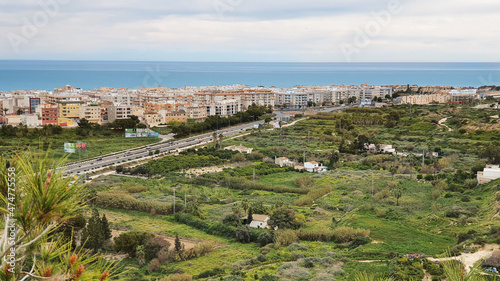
(255, 31)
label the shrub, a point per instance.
(346, 234)
(265, 238)
(127, 242)
(137, 189)
(312, 195)
(323, 235)
(209, 273)
(232, 220)
(266, 249)
(297, 273)
(239, 157)
(267, 277)
(383, 194)
(304, 182)
(244, 234)
(124, 201)
(153, 246)
(198, 250)
(381, 213)
(298, 247)
(178, 277)
(358, 241)
(284, 238)
(470, 183)
(154, 265)
(261, 258)
(324, 277)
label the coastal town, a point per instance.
(161, 106)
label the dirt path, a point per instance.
(442, 124)
(469, 259)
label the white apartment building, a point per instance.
(224, 108)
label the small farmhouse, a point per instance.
(314, 167)
(259, 221)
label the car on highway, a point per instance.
(148, 147)
(99, 159)
(127, 152)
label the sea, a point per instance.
(88, 75)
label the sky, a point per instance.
(252, 30)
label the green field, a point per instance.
(405, 204)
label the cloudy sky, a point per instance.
(252, 30)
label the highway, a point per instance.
(123, 157)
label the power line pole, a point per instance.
(174, 200)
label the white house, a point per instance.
(491, 172)
(259, 221)
(239, 148)
(283, 161)
(314, 167)
(387, 148)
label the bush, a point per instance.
(137, 189)
(244, 234)
(470, 183)
(313, 195)
(265, 238)
(178, 277)
(153, 246)
(304, 182)
(346, 234)
(124, 201)
(297, 273)
(232, 220)
(284, 238)
(323, 235)
(154, 265)
(266, 249)
(267, 277)
(127, 242)
(218, 229)
(298, 247)
(261, 258)
(239, 157)
(210, 273)
(358, 241)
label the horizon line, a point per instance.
(115, 60)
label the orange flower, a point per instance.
(72, 259)
(105, 275)
(6, 270)
(47, 272)
(79, 271)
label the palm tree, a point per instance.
(214, 138)
(245, 205)
(454, 270)
(5, 111)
